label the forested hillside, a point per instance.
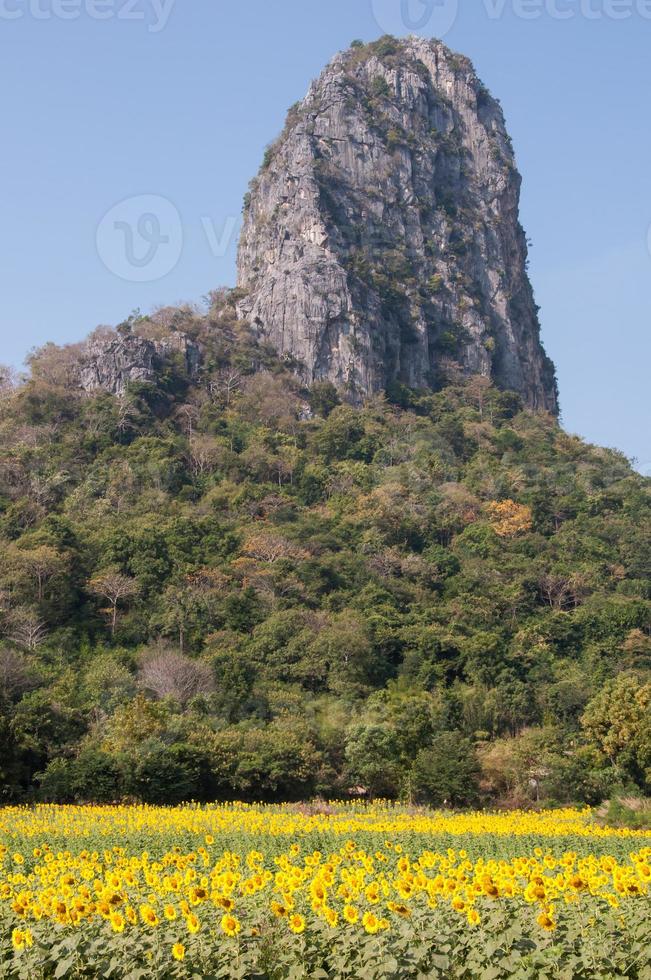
(230, 586)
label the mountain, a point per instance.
(354, 552)
(381, 238)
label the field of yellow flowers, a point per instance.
(346, 891)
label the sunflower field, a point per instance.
(335, 891)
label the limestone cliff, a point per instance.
(113, 361)
(381, 239)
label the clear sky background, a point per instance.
(178, 98)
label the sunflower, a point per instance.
(117, 922)
(331, 917)
(372, 893)
(192, 922)
(546, 922)
(227, 904)
(297, 923)
(577, 882)
(230, 924)
(148, 915)
(351, 914)
(318, 891)
(178, 951)
(473, 917)
(402, 910)
(371, 923)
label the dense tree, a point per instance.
(30, 570)
(232, 585)
(446, 773)
(618, 721)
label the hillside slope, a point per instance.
(225, 584)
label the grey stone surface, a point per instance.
(113, 361)
(381, 238)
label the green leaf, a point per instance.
(63, 966)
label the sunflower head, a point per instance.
(297, 923)
(230, 924)
(178, 951)
(117, 922)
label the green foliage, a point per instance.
(447, 772)
(383, 575)
(385, 46)
(379, 87)
(618, 721)
(632, 813)
(324, 397)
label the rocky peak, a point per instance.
(113, 360)
(381, 239)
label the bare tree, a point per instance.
(24, 628)
(188, 416)
(8, 379)
(115, 587)
(44, 488)
(203, 454)
(271, 548)
(478, 387)
(55, 366)
(15, 674)
(128, 414)
(264, 398)
(226, 383)
(166, 673)
(451, 371)
(285, 463)
(562, 591)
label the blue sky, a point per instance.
(104, 101)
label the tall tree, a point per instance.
(116, 588)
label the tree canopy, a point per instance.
(231, 585)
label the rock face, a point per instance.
(113, 361)
(381, 239)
